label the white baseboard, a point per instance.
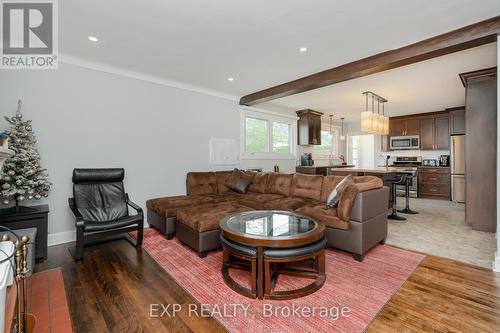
(62, 237)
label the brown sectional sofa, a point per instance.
(356, 225)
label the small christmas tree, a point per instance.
(23, 178)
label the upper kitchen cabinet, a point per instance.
(401, 126)
(309, 127)
(457, 121)
(435, 131)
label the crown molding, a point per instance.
(101, 67)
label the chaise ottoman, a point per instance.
(198, 227)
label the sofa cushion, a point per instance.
(323, 214)
(334, 196)
(279, 183)
(307, 186)
(288, 203)
(258, 183)
(361, 184)
(221, 178)
(207, 218)
(167, 207)
(200, 183)
(256, 201)
(329, 183)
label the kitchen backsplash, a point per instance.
(426, 154)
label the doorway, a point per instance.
(360, 150)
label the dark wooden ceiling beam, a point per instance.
(477, 34)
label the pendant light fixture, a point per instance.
(385, 130)
(375, 117)
(371, 121)
(342, 136)
(331, 124)
(366, 116)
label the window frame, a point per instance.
(335, 146)
(270, 117)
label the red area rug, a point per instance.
(360, 290)
(47, 301)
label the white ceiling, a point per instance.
(425, 86)
(202, 43)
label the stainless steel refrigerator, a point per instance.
(458, 168)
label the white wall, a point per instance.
(88, 118)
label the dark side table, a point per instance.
(29, 217)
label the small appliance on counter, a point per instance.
(444, 160)
(429, 162)
(306, 160)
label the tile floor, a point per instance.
(440, 229)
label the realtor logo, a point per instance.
(29, 34)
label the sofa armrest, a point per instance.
(369, 204)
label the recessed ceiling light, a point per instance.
(93, 39)
(230, 79)
(303, 49)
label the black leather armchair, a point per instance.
(100, 206)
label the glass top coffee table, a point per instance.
(280, 240)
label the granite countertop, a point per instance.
(337, 166)
(370, 170)
(433, 167)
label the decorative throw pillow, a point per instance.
(237, 182)
(334, 197)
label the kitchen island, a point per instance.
(357, 171)
(319, 170)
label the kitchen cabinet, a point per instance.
(442, 133)
(457, 121)
(481, 149)
(434, 183)
(427, 133)
(401, 126)
(435, 132)
(412, 126)
(397, 127)
(309, 127)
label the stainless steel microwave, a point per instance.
(405, 142)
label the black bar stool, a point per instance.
(409, 179)
(399, 180)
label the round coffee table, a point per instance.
(284, 243)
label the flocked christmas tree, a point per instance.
(22, 177)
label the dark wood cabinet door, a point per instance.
(427, 137)
(309, 127)
(315, 130)
(412, 126)
(457, 123)
(397, 127)
(442, 135)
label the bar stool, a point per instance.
(399, 180)
(408, 180)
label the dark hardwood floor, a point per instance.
(112, 289)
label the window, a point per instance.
(256, 131)
(355, 158)
(281, 138)
(328, 147)
(267, 135)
